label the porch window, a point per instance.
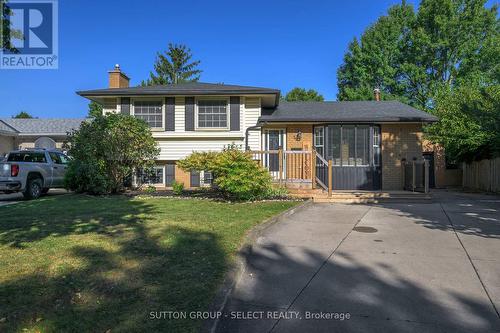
(348, 144)
(334, 144)
(149, 111)
(212, 113)
(376, 146)
(362, 145)
(319, 140)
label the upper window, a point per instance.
(149, 111)
(212, 113)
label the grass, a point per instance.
(82, 264)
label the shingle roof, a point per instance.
(194, 88)
(58, 126)
(6, 128)
(355, 111)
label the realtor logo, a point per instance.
(29, 34)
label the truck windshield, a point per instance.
(28, 156)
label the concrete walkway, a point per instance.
(424, 267)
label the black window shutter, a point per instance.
(169, 114)
(234, 113)
(125, 106)
(195, 178)
(189, 114)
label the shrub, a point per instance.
(276, 193)
(106, 151)
(236, 175)
(150, 189)
(177, 187)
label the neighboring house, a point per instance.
(365, 140)
(34, 133)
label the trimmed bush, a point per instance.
(235, 174)
(177, 187)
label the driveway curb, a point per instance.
(237, 269)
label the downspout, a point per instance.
(247, 132)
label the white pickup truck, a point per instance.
(32, 172)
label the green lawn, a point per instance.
(82, 264)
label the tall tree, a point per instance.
(469, 126)
(301, 94)
(23, 115)
(174, 66)
(95, 110)
(410, 55)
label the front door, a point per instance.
(274, 142)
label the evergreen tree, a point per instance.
(174, 66)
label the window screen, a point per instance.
(362, 145)
(348, 144)
(212, 113)
(150, 112)
(334, 144)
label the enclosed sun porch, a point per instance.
(344, 157)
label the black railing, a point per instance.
(321, 171)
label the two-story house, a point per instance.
(365, 141)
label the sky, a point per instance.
(275, 44)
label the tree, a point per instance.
(95, 110)
(470, 120)
(7, 32)
(174, 67)
(106, 151)
(301, 94)
(410, 55)
(23, 115)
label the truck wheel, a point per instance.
(33, 188)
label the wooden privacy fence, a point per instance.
(482, 175)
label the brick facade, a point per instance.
(399, 141)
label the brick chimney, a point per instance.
(376, 94)
(118, 79)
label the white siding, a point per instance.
(251, 115)
(172, 150)
(180, 107)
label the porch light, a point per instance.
(298, 136)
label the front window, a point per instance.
(212, 113)
(151, 176)
(208, 178)
(149, 111)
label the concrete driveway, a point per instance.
(420, 267)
